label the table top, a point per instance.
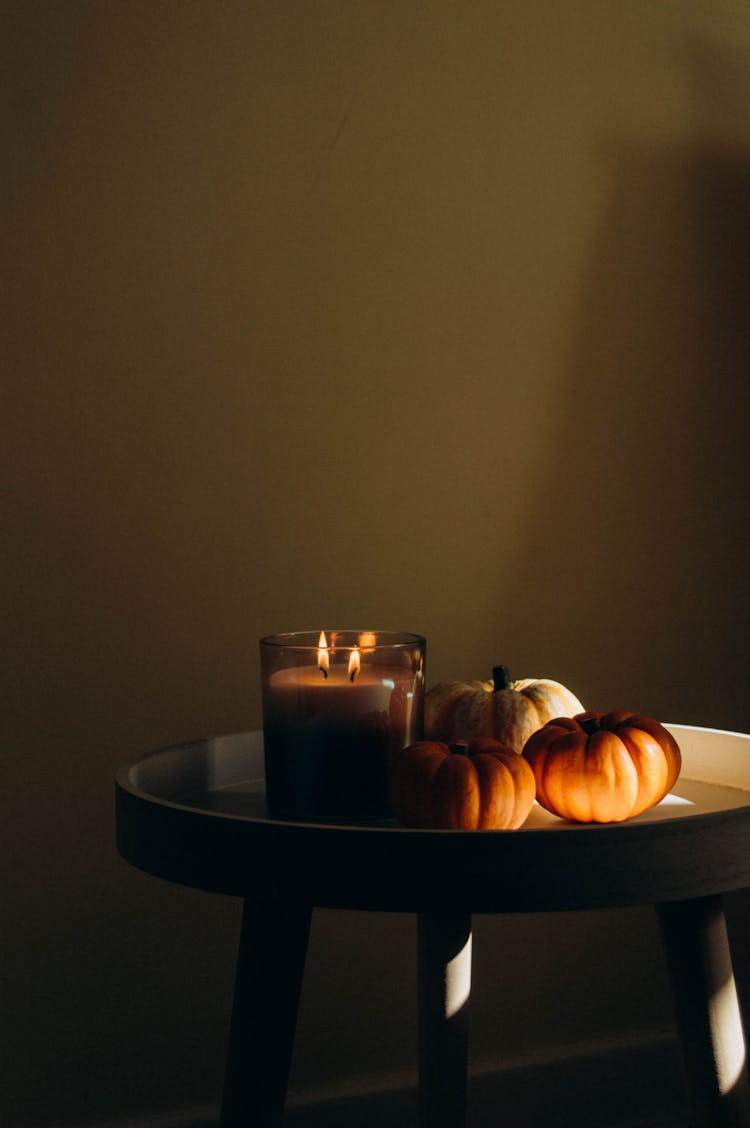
(195, 814)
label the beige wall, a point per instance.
(415, 315)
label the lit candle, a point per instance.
(333, 718)
(354, 664)
(323, 662)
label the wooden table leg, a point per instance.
(270, 964)
(707, 1008)
(444, 948)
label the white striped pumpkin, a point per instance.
(509, 711)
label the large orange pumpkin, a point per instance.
(480, 786)
(602, 767)
(509, 711)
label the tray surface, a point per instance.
(224, 776)
(195, 814)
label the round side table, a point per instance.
(195, 814)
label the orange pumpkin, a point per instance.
(480, 786)
(509, 711)
(602, 767)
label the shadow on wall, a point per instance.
(639, 563)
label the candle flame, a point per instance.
(353, 664)
(323, 661)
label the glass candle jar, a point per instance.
(337, 707)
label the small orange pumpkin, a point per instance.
(480, 786)
(509, 711)
(602, 767)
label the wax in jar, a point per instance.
(329, 740)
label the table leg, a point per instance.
(444, 948)
(270, 964)
(707, 1008)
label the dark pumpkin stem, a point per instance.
(501, 678)
(461, 748)
(590, 725)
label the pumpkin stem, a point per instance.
(590, 725)
(500, 678)
(461, 748)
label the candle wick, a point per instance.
(323, 671)
(353, 674)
